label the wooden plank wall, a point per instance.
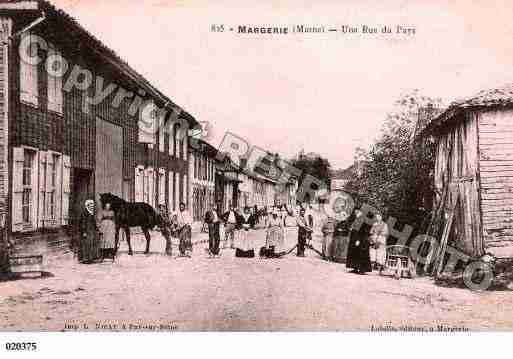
(456, 171)
(496, 163)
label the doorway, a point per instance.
(82, 189)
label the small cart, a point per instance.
(399, 262)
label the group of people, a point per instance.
(366, 247)
(238, 226)
(367, 243)
(97, 233)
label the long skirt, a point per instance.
(108, 229)
(89, 247)
(275, 238)
(328, 246)
(184, 236)
(244, 244)
(379, 255)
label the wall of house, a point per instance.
(72, 135)
(456, 171)
(496, 169)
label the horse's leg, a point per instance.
(148, 238)
(127, 232)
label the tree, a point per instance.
(397, 177)
(315, 166)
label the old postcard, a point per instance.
(177, 166)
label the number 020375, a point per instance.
(21, 346)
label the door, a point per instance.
(109, 158)
(81, 190)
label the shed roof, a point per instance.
(495, 97)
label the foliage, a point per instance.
(397, 177)
(316, 166)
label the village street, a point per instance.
(231, 293)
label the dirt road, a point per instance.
(156, 292)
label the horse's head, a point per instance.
(114, 201)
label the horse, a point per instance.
(132, 214)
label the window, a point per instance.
(55, 81)
(41, 190)
(139, 184)
(29, 75)
(162, 186)
(28, 197)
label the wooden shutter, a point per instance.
(28, 80)
(151, 186)
(170, 191)
(185, 145)
(42, 188)
(161, 138)
(171, 139)
(162, 186)
(184, 188)
(139, 184)
(54, 92)
(58, 191)
(17, 179)
(66, 190)
(48, 189)
(176, 191)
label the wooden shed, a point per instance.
(474, 171)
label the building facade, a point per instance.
(71, 128)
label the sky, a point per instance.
(326, 93)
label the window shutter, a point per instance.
(58, 191)
(28, 80)
(171, 139)
(184, 188)
(145, 186)
(54, 85)
(48, 189)
(139, 183)
(17, 178)
(151, 187)
(170, 196)
(162, 186)
(161, 139)
(176, 190)
(66, 190)
(185, 142)
(42, 188)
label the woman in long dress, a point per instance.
(244, 246)
(184, 231)
(378, 239)
(89, 247)
(358, 257)
(108, 230)
(274, 239)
